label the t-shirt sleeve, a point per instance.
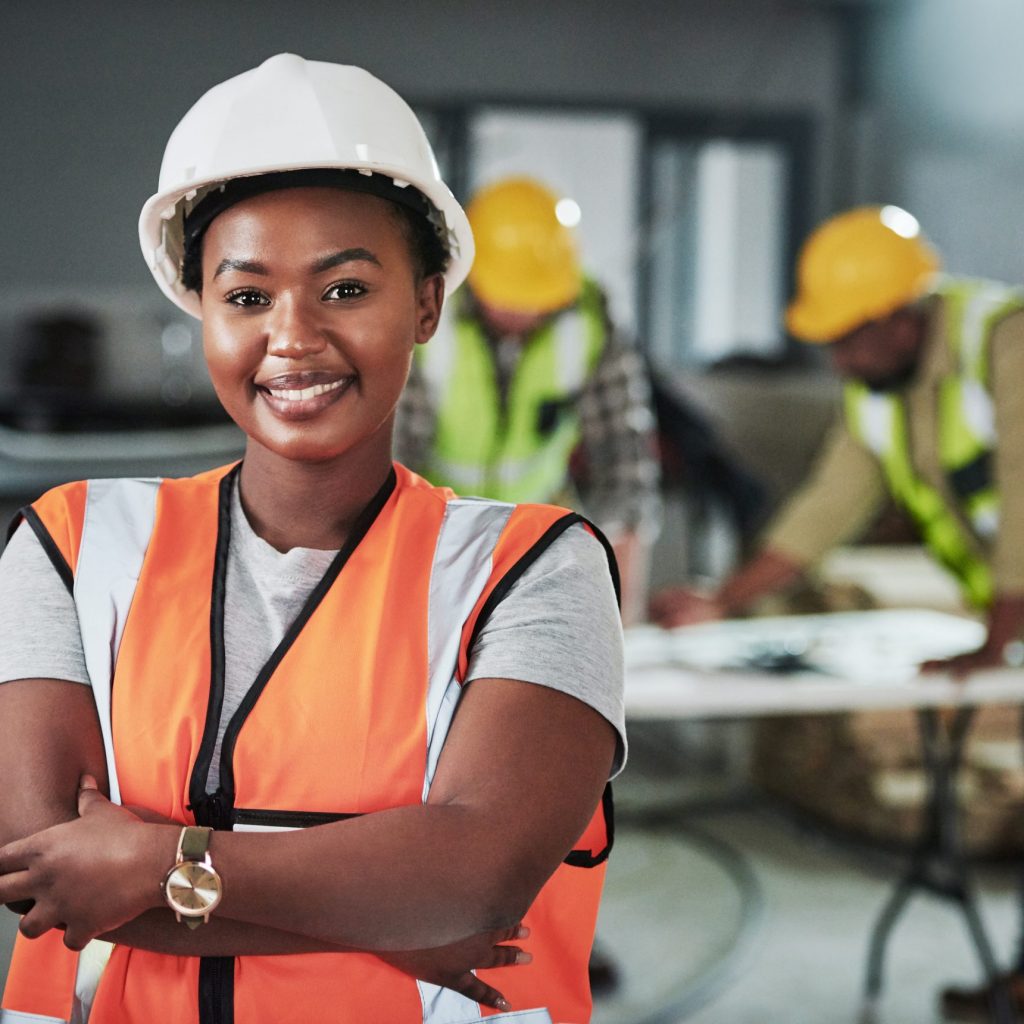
(39, 633)
(559, 627)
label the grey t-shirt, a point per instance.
(557, 627)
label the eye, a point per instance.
(247, 298)
(342, 290)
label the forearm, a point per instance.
(1005, 621)
(384, 881)
(766, 573)
(158, 932)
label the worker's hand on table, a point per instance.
(451, 966)
(962, 665)
(84, 875)
(684, 606)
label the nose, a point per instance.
(294, 330)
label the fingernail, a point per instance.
(522, 957)
(522, 933)
(503, 1004)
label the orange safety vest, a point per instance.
(402, 603)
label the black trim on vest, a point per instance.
(576, 858)
(360, 528)
(216, 989)
(976, 476)
(217, 974)
(586, 859)
(287, 819)
(54, 553)
(205, 809)
(216, 996)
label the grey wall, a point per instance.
(91, 90)
(945, 127)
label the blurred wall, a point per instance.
(92, 90)
(943, 119)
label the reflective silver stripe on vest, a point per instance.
(974, 325)
(19, 1017)
(572, 350)
(978, 411)
(538, 1016)
(462, 565)
(876, 422)
(119, 517)
(463, 558)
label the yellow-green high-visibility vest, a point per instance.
(967, 436)
(517, 450)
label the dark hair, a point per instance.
(415, 213)
(429, 253)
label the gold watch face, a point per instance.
(192, 888)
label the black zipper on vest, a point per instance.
(287, 819)
(217, 810)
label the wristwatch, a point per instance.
(192, 887)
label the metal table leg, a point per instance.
(937, 864)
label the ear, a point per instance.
(429, 300)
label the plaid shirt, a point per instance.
(615, 468)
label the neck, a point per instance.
(292, 504)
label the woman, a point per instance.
(280, 651)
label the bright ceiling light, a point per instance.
(568, 212)
(904, 224)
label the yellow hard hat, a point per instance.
(859, 266)
(526, 258)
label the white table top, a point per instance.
(855, 661)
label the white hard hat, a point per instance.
(292, 114)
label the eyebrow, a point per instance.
(335, 259)
(242, 266)
(344, 256)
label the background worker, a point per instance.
(526, 385)
(933, 418)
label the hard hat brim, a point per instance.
(822, 325)
(163, 206)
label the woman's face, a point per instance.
(311, 307)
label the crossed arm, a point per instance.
(520, 776)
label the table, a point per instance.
(842, 662)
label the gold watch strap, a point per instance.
(194, 842)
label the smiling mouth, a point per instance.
(303, 403)
(301, 395)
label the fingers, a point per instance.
(88, 782)
(508, 956)
(473, 988)
(75, 940)
(15, 887)
(38, 921)
(90, 799)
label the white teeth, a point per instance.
(307, 393)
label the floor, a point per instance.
(736, 915)
(743, 917)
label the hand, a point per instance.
(84, 875)
(962, 665)
(683, 606)
(450, 966)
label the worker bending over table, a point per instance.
(933, 417)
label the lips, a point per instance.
(302, 395)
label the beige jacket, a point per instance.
(846, 488)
